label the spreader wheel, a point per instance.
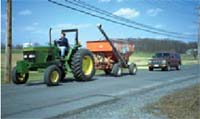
(117, 70)
(132, 69)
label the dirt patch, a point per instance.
(183, 104)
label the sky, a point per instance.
(33, 18)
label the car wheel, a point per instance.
(150, 68)
(178, 67)
(168, 68)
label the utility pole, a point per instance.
(9, 42)
(198, 34)
(198, 45)
(198, 50)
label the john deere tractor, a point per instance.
(78, 61)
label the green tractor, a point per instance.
(78, 61)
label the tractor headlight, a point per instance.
(25, 56)
(164, 62)
(31, 56)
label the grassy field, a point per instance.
(183, 104)
(140, 58)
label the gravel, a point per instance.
(132, 106)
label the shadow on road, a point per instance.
(160, 70)
(67, 80)
(110, 75)
(34, 83)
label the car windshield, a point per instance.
(162, 55)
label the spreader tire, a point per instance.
(116, 70)
(132, 69)
(82, 65)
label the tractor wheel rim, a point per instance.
(21, 77)
(54, 76)
(87, 65)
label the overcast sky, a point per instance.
(32, 19)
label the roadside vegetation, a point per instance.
(183, 104)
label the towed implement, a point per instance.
(78, 61)
(112, 56)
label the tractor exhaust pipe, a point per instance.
(50, 36)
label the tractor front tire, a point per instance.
(52, 75)
(63, 74)
(132, 69)
(19, 78)
(82, 65)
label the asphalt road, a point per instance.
(36, 100)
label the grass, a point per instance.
(14, 51)
(183, 104)
(140, 58)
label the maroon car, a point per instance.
(165, 61)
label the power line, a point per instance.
(110, 20)
(104, 12)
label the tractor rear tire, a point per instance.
(82, 65)
(18, 78)
(52, 75)
(132, 69)
(116, 70)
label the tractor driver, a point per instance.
(63, 44)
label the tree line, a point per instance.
(156, 45)
(148, 45)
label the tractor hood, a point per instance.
(40, 54)
(39, 48)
